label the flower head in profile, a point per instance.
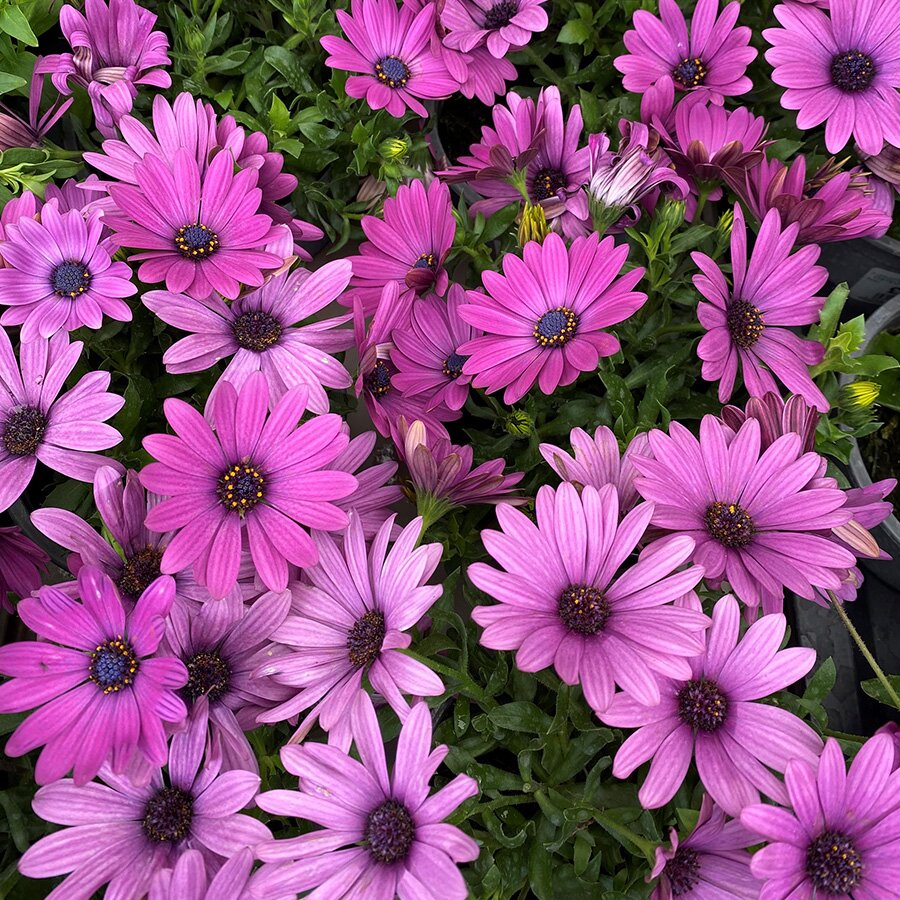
(776, 417)
(499, 25)
(22, 563)
(15, 131)
(257, 475)
(712, 858)
(37, 422)
(383, 834)
(711, 58)
(884, 168)
(350, 619)
(544, 317)
(754, 514)
(125, 833)
(565, 600)
(114, 51)
(189, 880)
(100, 694)
(713, 718)
(389, 50)
(840, 67)
(749, 323)
(839, 835)
(273, 330)
(59, 275)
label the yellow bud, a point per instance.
(533, 226)
(860, 394)
(394, 148)
(726, 222)
(519, 423)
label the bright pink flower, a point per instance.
(22, 564)
(500, 25)
(776, 417)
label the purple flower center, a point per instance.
(69, 279)
(729, 524)
(500, 14)
(556, 327)
(113, 665)
(683, 871)
(690, 73)
(240, 488)
(24, 430)
(139, 572)
(208, 676)
(583, 609)
(378, 381)
(453, 365)
(745, 323)
(168, 815)
(392, 71)
(390, 832)
(833, 863)
(256, 330)
(547, 183)
(702, 705)
(365, 639)
(196, 241)
(852, 71)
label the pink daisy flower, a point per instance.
(840, 834)
(350, 619)
(188, 879)
(408, 245)
(543, 317)
(776, 417)
(99, 693)
(198, 234)
(499, 25)
(753, 515)
(36, 423)
(563, 602)
(711, 58)
(22, 564)
(391, 49)
(273, 330)
(713, 717)
(748, 324)
(60, 276)
(257, 472)
(383, 835)
(841, 68)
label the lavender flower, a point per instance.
(22, 563)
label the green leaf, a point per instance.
(831, 314)
(14, 23)
(575, 31)
(875, 689)
(520, 715)
(279, 116)
(10, 82)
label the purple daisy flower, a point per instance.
(749, 323)
(349, 620)
(262, 332)
(409, 246)
(598, 461)
(115, 49)
(499, 25)
(199, 235)
(391, 49)
(711, 863)
(257, 472)
(383, 835)
(188, 879)
(563, 602)
(841, 68)
(16, 132)
(426, 354)
(221, 652)
(831, 206)
(25, 206)
(776, 417)
(22, 564)
(754, 515)
(840, 835)
(884, 167)
(59, 275)
(124, 833)
(543, 318)
(36, 423)
(712, 717)
(711, 59)
(102, 696)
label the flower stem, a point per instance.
(541, 66)
(867, 654)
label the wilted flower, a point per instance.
(885, 166)
(14, 132)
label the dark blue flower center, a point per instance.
(729, 524)
(852, 71)
(139, 572)
(378, 381)
(425, 261)
(453, 365)
(240, 487)
(500, 14)
(556, 327)
(208, 676)
(583, 609)
(833, 864)
(168, 815)
(390, 832)
(69, 279)
(24, 430)
(392, 71)
(547, 183)
(690, 72)
(196, 241)
(256, 330)
(745, 323)
(365, 639)
(702, 705)
(683, 871)
(113, 665)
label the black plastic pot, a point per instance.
(870, 266)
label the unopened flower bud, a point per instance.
(394, 148)
(859, 395)
(519, 424)
(533, 225)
